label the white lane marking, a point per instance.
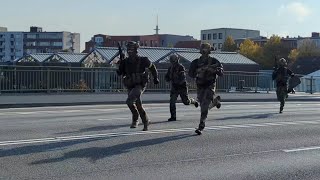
(120, 107)
(301, 149)
(111, 119)
(62, 111)
(160, 131)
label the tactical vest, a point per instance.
(136, 78)
(205, 73)
(175, 76)
(282, 77)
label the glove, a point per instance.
(156, 81)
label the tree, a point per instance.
(293, 55)
(251, 50)
(274, 48)
(229, 45)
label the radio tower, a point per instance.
(157, 27)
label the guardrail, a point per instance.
(28, 79)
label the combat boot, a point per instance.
(134, 124)
(172, 119)
(215, 103)
(200, 128)
(145, 126)
(281, 109)
(196, 104)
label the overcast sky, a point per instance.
(183, 17)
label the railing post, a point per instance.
(311, 85)
(48, 80)
(92, 79)
(256, 78)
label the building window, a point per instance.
(57, 44)
(30, 43)
(98, 39)
(204, 36)
(220, 35)
(31, 36)
(220, 46)
(12, 57)
(209, 36)
(11, 36)
(214, 36)
(44, 43)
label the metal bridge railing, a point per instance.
(26, 79)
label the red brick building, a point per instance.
(156, 40)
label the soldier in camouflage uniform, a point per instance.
(135, 78)
(177, 76)
(205, 70)
(281, 76)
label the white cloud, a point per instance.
(296, 9)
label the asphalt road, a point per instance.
(241, 141)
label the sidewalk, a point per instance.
(40, 100)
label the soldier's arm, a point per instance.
(274, 74)
(193, 69)
(167, 76)
(219, 69)
(290, 73)
(182, 70)
(152, 69)
(121, 70)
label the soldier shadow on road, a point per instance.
(108, 127)
(31, 149)
(97, 153)
(252, 116)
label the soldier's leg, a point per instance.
(143, 115)
(185, 97)
(216, 102)
(283, 96)
(173, 99)
(205, 96)
(132, 106)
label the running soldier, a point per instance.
(281, 75)
(205, 70)
(177, 76)
(135, 78)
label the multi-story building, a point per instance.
(16, 44)
(216, 37)
(37, 41)
(315, 38)
(156, 40)
(11, 45)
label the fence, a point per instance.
(22, 79)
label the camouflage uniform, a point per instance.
(281, 76)
(135, 78)
(205, 70)
(177, 76)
